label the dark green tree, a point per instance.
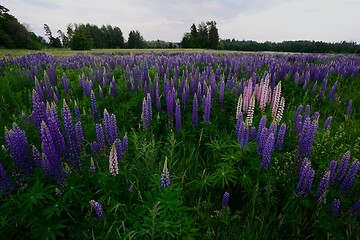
(81, 39)
(203, 38)
(135, 40)
(213, 35)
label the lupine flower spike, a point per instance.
(225, 199)
(165, 176)
(97, 207)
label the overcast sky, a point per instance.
(259, 20)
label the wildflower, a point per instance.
(349, 178)
(280, 111)
(165, 176)
(100, 136)
(323, 185)
(178, 116)
(349, 108)
(97, 207)
(335, 206)
(280, 137)
(225, 199)
(5, 183)
(267, 152)
(327, 123)
(250, 112)
(113, 161)
(342, 168)
(92, 165)
(94, 108)
(195, 111)
(306, 177)
(125, 143)
(252, 135)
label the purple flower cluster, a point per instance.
(306, 177)
(146, 114)
(242, 133)
(322, 188)
(280, 137)
(225, 199)
(100, 138)
(307, 137)
(165, 176)
(267, 151)
(349, 108)
(327, 123)
(195, 107)
(110, 127)
(355, 209)
(335, 207)
(177, 116)
(5, 183)
(94, 108)
(97, 207)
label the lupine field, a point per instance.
(180, 146)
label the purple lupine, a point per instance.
(349, 108)
(113, 127)
(306, 177)
(349, 178)
(107, 128)
(225, 199)
(252, 135)
(149, 107)
(323, 87)
(145, 114)
(19, 148)
(314, 87)
(5, 183)
(267, 152)
(311, 137)
(307, 111)
(332, 92)
(39, 108)
(298, 124)
(101, 93)
(304, 139)
(165, 176)
(280, 137)
(37, 156)
(157, 94)
(94, 108)
(70, 136)
(298, 112)
(262, 124)
(97, 207)
(100, 138)
(119, 149)
(207, 107)
(195, 117)
(342, 168)
(242, 133)
(54, 125)
(355, 209)
(331, 168)
(79, 135)
(323, 185)
(77, 112)
(125, 144)
(177, 116)
(113, 91)
(221, 91)
(327, 123)
(315, 116)
(51, 161)
(261, 141)
(113, 161)
(335, 207)
(94, 148)
(65, 83)
(92, 167)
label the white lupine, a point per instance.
(239, 105)
(113, 161)
(250, 112)
(247, 95)
(264, 93)
(280, 111)
(276, 99)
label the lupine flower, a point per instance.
(77, 111)
(276, 100)
(355, 209)
(262, 124)
(125, 143)
(113, 161)
(239, 106)
(79, 135)
(107, 128)
(221, 92)
(5, 183)
(327, 123)
(37, 156)
(225, 199)
(280, 111)
(97, 207)
(331, 168)
(314, 87)
(207, 106)
(178, 116)
(306, 138)
(100, 137)
(349, 108)
(261, 141)
(92, 165)
(250, 112)
(54, 125)
(306, 177)
(267, 152)
(19, 148)
(101, 93)
(39, 109)
(280, 137)
(323, 87)
(165, 176)
(298, 112)
(335, 206)
(65, 83)
(252, 135)
(94, 108)
(94, 148)
(332, 91)
(195, 111)
(145, 114)
(299, 124)
(342, 168)
(170, 103)
(307, 111)
(113, 91)
(119, 149)
(349, 178)
(242, 133)
(323, 185)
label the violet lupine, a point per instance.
(268, 149)
(94, 108)
(225, 199)
(242, 133)
(54, 125)
(239, 106)
(92, 167)
(298, 124)
(170, 103)
(113, 91)
(165, 176)
(261, 141)
(195, 117)
(306, 177)
(322, 188)
(349, 178)
(19, 148)
(100, 138)
(70, 136)
(113, 128)
(51, 161)
(79, 135)
(280, 137)
(306, 140)
(349, 108)
(94, 148)
(5, 183)
(314, 87)
(323, 87)
(221, 91)
(113, 161)
(355, 209)
(65, 83)
(307, 111)
(37, 156)
(157, 94)
(77, 112)
(262, 124)
(107, 128)
(39, 109)
(97, 207)
(342, 168)
(298, 112)
(331, 168)
(207, 107)
(252, 134)
(335, 207)
(101, 93)
(125, 144)
(119, 148)
(332, 92)
(327, 123)
(177, 116)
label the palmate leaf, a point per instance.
(223, 176)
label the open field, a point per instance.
(161, 144)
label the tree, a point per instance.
(213, 34)
(53, 42)
(203, 35)
(135, 40)
(81, 40)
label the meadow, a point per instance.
(179, 145)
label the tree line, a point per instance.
(206, 35)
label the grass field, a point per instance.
(162, 144)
